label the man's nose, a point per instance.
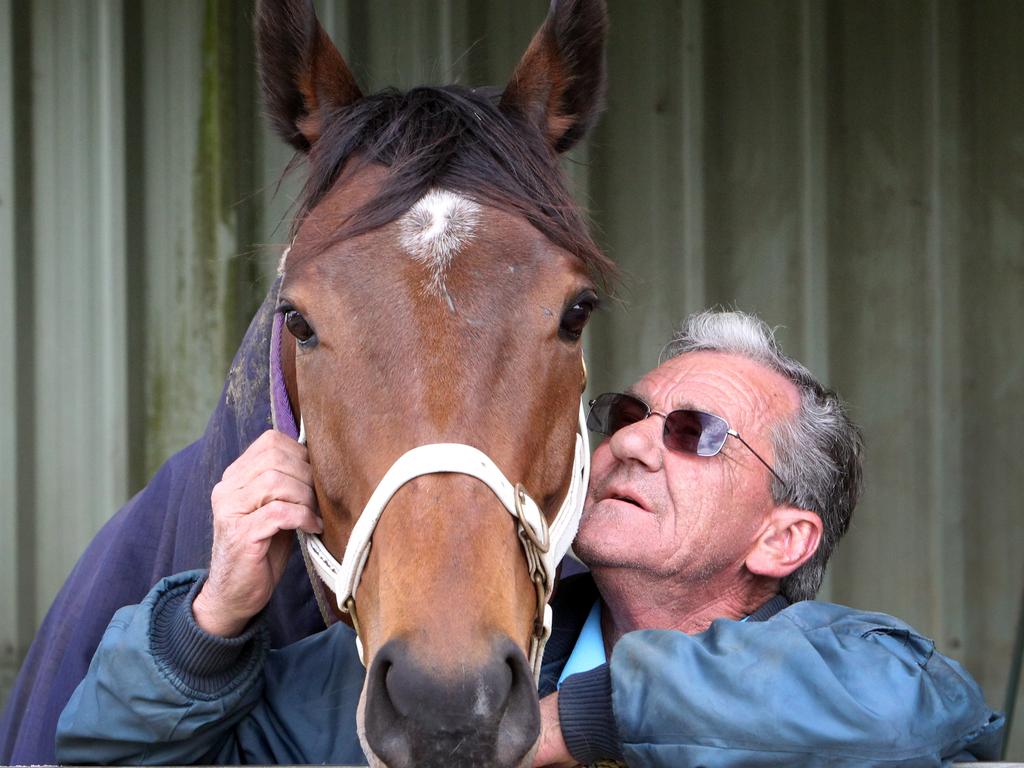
(641, 442)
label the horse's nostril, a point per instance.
(387, 738)
(520, 722)
(485, 715)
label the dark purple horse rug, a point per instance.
(164, 529)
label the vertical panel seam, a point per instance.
(813, 201)
(693, 120)
(131, 33)
(813, 243)
(946, 551)
(110, 239)
(11, 650)
(24, 238)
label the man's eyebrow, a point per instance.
(632, 392)
(682, 405)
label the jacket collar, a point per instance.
(571, 603)
(769, 609)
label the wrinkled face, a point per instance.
(671, 513)
(456, 323)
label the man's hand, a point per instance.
(552, 750)
(264, 495)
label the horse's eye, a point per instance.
(575, 317)
(299, 328)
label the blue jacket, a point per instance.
(814, 683)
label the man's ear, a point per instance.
(559, 85)
(302, 74)
(790, 537)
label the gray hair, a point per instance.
(817, 451)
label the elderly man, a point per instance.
(728, 477)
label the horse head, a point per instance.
(435, 291)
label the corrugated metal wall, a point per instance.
(852, 171)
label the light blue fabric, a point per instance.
(589, 649)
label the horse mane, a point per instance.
(453, 138)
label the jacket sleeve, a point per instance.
(817, 683)
(160, 690)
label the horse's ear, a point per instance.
(302, 74)
(559, 84)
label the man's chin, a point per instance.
(608, 562)
(596, 553)
(614, 534)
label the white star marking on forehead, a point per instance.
(436, 228)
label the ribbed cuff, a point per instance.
(586, 717)
(202, 663)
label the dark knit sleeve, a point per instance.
(199, 663)
(586, 717)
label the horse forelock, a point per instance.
(450, 139)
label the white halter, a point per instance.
(544, 545)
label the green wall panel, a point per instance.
(78, 265)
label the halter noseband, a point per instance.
(544, 545)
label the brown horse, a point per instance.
(437, 285)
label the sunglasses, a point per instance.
(686, 430)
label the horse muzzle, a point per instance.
(485, 714)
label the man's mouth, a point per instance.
(628, 499)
